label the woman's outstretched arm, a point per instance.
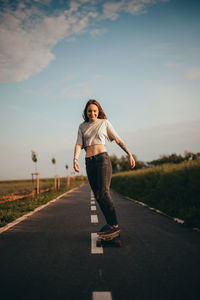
(77, 151)
(124, 147)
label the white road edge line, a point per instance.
(93, 207)
(156, 210)
(15, 222)
(94, 219)
(92, 202)
(178, 220)
(94, 248)
(101, 296)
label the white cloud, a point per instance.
(27, 51)
(135, 8)
(111, 10)
(96, 32)
(28, 34)
(26, 46)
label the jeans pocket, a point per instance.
(103, 158)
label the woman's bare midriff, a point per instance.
(95, 149)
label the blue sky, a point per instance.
(139, 59)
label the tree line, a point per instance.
(123, 164)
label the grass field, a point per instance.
(174, 189)
(9, 211)
(25, 186)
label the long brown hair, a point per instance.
(101, 112)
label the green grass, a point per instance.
(174, 189)
(9, 211)
(25, 186)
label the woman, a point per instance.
(91, 136)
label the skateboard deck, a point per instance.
(114, 241)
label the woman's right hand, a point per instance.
(76, 166)
(132, 161)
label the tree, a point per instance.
(66, 167)
(115, 163)
(198, 155)
(67, 177)
(167, 159)
(174, 158)
(34, 159)
(123, 163)
(53, 160)
(191, 155)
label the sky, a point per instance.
(139, 58)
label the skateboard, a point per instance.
(111, 241)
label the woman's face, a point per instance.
(92, 112)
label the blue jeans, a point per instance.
(99, 172)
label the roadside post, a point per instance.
(55, 183)
(58, 182)
(68, 181)
(35, 190)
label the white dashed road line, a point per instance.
(94, 219)
(101, 296)
(94, 248)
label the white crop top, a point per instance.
(93, 133)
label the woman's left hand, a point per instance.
(132, 161)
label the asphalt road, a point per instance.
(48, 255)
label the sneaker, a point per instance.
(104, 229)
(112, 231)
